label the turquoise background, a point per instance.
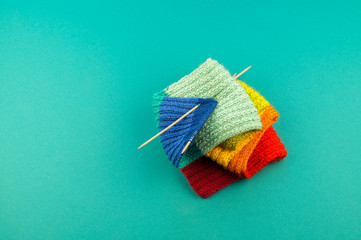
(76, 82)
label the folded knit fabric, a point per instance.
(207, 177)
(224, 155)
(260, 103)
(235, 113)
(175, 139)
(238, 164)
(269, 149)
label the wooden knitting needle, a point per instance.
(187, 145)
(245, 70)
(179, 119)
(235, 77)
(165, 129)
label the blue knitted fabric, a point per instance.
(172, 108)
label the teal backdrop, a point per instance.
(76, 85)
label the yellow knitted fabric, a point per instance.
(238, 164)
(224, 155)
(260, 103)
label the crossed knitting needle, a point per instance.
(179, 119)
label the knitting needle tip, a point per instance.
(165, 129)
(185, 148)
(245, 70)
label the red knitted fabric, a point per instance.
(269, 149)
(207, 177)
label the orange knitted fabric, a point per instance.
(224, 156)
(269, 149)
(207, 177)
(238, 164)
(224, 152)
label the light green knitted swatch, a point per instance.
(235, 113)
(259, 102)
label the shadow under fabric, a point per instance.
(206, 177)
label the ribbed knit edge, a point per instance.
(269, 150)
(171, 105)
(207, 177)
(207, 77)
(238, 164)
(157, 102)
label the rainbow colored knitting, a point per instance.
(226, 136)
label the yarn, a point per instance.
(176, 138)
(239, 162)
(260, 103)
(206, 177)
(229, 136)
(224, 155)
(269, 149)
(235, 113)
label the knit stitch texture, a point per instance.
(206, 177)
(260, 103)
(176, 138)
(269, 149)
(235, 113)
(224, 155)
(239, 162)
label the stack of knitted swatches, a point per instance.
(228, 137)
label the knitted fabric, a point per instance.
(223, 155)
(260, 103)
(239, 162)
(206, 177)
(269, 149)
(235, 113)
(176, 138)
